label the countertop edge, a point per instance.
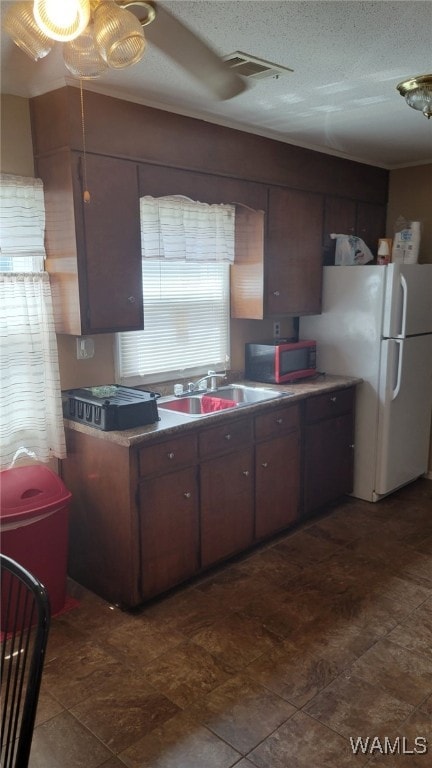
(171, 422)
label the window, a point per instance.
(31, 420)
(186, 292)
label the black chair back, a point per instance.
(25, 619)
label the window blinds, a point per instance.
(187, 248)
(186, 311)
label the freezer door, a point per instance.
(408, 300)
(405, 400)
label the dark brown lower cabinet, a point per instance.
(277, 469)
(169, 528)
(145, 518)
(277, 481)
(227, 514)
(328, 448)
(103, 523)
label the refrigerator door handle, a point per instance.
(404, 287)
(396, 389)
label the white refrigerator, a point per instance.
(376, 324)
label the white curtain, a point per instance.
(176, 227)
(22, 223)
(31, 419)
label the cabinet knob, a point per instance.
(187, 494)
(264, 464)
(279, 420)
(131, 299)
(276, 293)
(352, 446)
(333, 399)
(246, 472)
(171, 455)
(227, 436)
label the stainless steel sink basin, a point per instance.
(232, 396)
(188, 404)
(244, 395)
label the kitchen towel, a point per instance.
(209, 404)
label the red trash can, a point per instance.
(34, 512)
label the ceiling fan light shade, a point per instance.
(62, 20)
(82, 57)
(21, 26)
(119, 35)
(417, 92)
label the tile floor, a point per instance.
(272, 661)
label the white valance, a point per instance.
(22, 223)
(176, 227)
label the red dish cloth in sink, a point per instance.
(210, 404)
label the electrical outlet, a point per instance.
(84, 348)
(276, 329)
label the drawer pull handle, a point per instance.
(227, 436)
(276, 293)
(246, 472)
(279, 420)
(171, 455)
(187, 494)
(333, 399)
(131, 299)
(264, 464)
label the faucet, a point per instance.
(212, 375)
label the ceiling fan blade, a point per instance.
(183, 46)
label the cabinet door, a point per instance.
(294, 253)
(339, 218)
(328, 461)
(371, 223)
(169, 530)
(226, 506)
(277, 481)
(109, 245)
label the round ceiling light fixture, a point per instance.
(62, 20)
(417, 92)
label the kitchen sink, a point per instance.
(230, 396)
(189, 404)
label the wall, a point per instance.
(16, 142)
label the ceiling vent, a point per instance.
(250, 66)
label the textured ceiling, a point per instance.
(347, 59)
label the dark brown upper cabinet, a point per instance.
(293, 273)
(93, 249)
(94, 252)
(350, 217)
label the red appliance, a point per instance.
(280, 361)
(34, 511)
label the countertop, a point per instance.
(171, 422)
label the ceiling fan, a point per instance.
(101, 34)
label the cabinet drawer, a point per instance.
(227, 437)
(329, 405)
(277, 422)
(171, 454)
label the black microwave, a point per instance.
(279, 361)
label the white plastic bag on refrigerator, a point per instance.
(351, 250)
